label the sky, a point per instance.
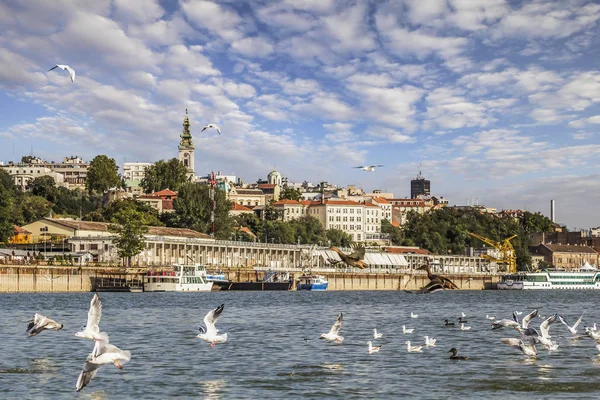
(495, 101)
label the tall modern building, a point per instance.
(186, 147)
(419, 187)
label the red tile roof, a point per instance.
(239, 207)
(371, 205)
(165, 192)
(247, 230)
(266, 186)
(395, 223)
(381, 200)
(20, 230)
(287, 202)
(336, 203)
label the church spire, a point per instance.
(186, 135)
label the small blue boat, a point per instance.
(312, 282)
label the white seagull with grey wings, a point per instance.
(333, 333)
(369, 168)
(216, 127)
(103, 353)
(92, 327)
(209, 332)
(65, 68)
(40, 323)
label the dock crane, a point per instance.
(506, 250)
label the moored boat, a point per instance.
(583, 278)
(271, 281)
(183, 278)
(312, 282)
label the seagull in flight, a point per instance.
(369, 168)
(65, 68)
(216, 127)
(40, 323)
(92, 328)
(103, 353)
(210, 332)
(528, 348)
(572, 329)
(333, 333)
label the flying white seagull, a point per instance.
(572, 329)
(370, 168)
(333, 333)
(103, 353)
(40, 323)
(92, 328)
(528, 348)
(212, 126)
(65, 68)
(210, 333)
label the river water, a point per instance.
(274, 351)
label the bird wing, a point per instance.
(515, 317)
(545, 326)
(337, 326)
(205, 128)
(358, 253)
(579, 320)
(94, 314)
(71, 73)
(211, 318)
(512, 342)
(565, 323)
(52, 324)
(362, 166)
(56, 66)
(218, 129)
(86, 377)
(527, 318)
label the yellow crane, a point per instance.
(505, 249)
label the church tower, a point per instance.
(186, 147)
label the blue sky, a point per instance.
(496, 100)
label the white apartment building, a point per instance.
(361, 221)
(133, 173)
(385, 205)
(292, 209)
(23, 174)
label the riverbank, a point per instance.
(45, 279)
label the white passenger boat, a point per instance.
(183, 278)
(583, 278)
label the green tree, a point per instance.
(393, 232)
(31, 208)
(130, 232)
(290, 193)
(250, 221)
(6, 211)
(148, 215)
(76, 202)
(193, 210)
(308, 229)
(162, 174)
(338, 238)
(102, 175)
(45, 187)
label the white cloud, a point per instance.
(191, 60)
(220, 20)
(390, 135)
(253, 47)
(138, 11)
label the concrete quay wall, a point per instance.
(73, 279)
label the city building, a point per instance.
(21, 236)
(246, 197)
(361, 221)
(162, 200)
(237, 209)
(133, 173)
(291, 209)
(567, 256)
(186, 147)
(420, 187)
(401, 208)
(272, 191)
(23, 174)
(385, 205)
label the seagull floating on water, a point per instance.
(373, 349)
(464, 328)
(65, 68)
(103, 353)
(405, 331)
(92, 327)
(412, 315)
(429, 342)
(412, 349)
(377, 335)
(333, 333)
(210, 333)
(572, 329)
(490, 317)
(209, 126)
(369, 168)
(40, 323)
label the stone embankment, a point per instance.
(77, 279)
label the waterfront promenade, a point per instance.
(23, 278)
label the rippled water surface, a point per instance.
(274, 351)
